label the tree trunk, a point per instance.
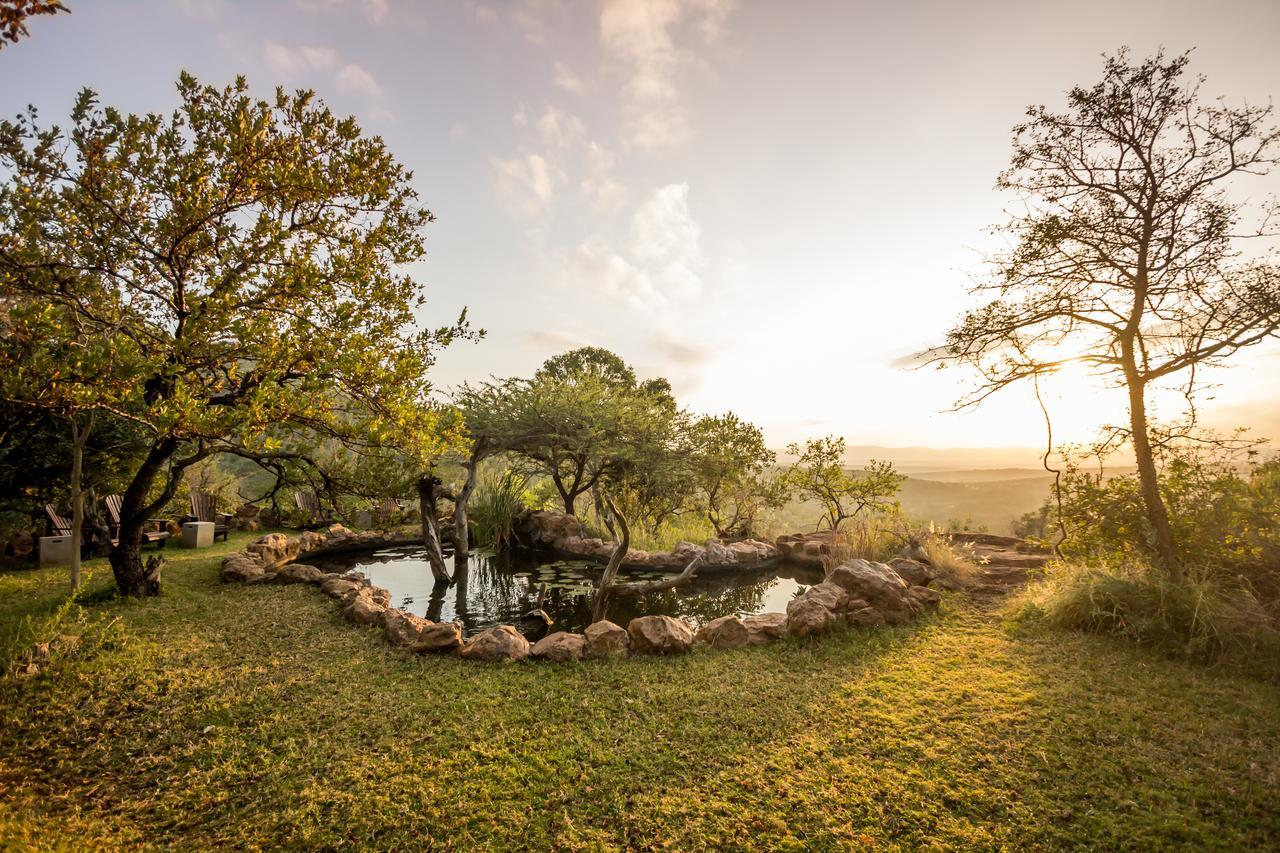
(427, 487)
(79, 437)
(1149, 481)
(132, 577)
(461, 534)
(617, 524)
(569, 501)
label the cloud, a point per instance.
(681, 352)
(563, 77)
(662, 263)
(374, 10)
(640, 38)
(348, 77)
(598, 184)
(525, 184)
(353, 79)
(559, 129)
(556, 340)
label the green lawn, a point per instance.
(254, 716)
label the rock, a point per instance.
(338, 587)
(310, 541)
(549, 529)
(716, 553)
(20, 545)
(401, 628)
(248, 510)
(807, 617)
(753, 551)
(438, 637)
(269, 518)
(560, 646)
(924, 596)
(763, 627)
(686, 552)
(241, 567)
(605, 639)
(727, 632)
(659, 635)
(337, 533)
(274, 549)
(500, 643)
(380, 595)
(862, 614)
(265, 577)
(912, 571)
(535, 623)
(363, 610)
(831, 596)
(300, 573)
(878, 584)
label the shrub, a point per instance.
(497, 501)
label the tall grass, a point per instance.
(498, 499)
(1204, 616)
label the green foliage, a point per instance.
(819, 474)
(1205, 615)
(233, 269)
(498, 500)
(734, 471)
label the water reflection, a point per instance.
(492, 589)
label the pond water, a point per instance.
(497, 589)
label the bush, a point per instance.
(497, 501)
(1205, 615)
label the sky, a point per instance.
(771, 204)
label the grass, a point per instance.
(254, 717)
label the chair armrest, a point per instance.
(224, 517)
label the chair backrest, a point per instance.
(389, 506)
(61, 527)
(307, 501)
(114, 503)
(203, 506)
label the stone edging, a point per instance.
(858, 592)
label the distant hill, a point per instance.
(980, 475)
(978, 504)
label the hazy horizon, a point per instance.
(772, 205)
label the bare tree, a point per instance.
(1127, 258)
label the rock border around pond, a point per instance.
(857, 592)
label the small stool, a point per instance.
(197, 534)
(55, 551)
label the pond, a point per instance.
(497, 589)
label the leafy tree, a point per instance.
(1126, 259)
(15, 13)
(733, 470)
(819, 474)
(247, 251)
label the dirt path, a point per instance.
(1005, 563)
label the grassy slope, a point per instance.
(953, 733)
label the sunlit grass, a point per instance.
(255, 716)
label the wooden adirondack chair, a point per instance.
(388, 508)
(158, 534)
(313, 515)
(204, 507)
(58, 525)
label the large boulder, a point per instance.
(548, 529)
(877, 584)
(686, 552)
(716, 553)
(311, 540)
(764, 627)
(559, 647)
(605, 639)
(363, 609)
(500, 643)
(923, 596)
(381, 595)
(274, 549)
(808, 617)
(727, 632)
(439, 637)
(753, 551)
(659, 635)
(241, 568)
(339, 587)
(913, 572)
(402, 628)
(300, 573)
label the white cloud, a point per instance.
(357, 80)
(559, 128)
(525, 184)
(662, 264)
(598, 185)
(640, 36)
(458, 132)
(566, 79)
(348, 77)
(374, 10)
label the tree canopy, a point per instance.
(246, 253)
